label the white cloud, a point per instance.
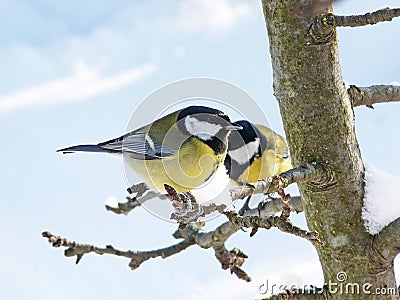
(84, 83)
(209, 15)
(381, 200)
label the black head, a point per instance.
(243, 147)
(207, 124)
(247, 134)
(206, 114)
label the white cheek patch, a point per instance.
(243, 154)
(202, 129)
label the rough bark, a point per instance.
(319, 124)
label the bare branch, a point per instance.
(133, 202)
(373, 94)
(274, 205)
(314, 172)
(387, 242)
(317, 174)
(143, 194)
(269, 222)
(322, 28)
(139, 189)
(281, 222)
(382, 15)
(137, 257)
(182, 214)
(163, 253)
(190, 234)
(232, 260)
(211, 239)
(269, 207)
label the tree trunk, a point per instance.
(319, 124)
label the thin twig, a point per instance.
(190, 234)
(373, 94)
(322, 28)
(232, 260)
(274, 205)
(134, 202)
(272, 221)
(137, 257)
(382, 15)
(142, 194)
(281, 222)
(317, 174)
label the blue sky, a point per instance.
(73, 72)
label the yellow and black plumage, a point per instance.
(255, 152)
(182, 149)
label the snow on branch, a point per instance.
(373, 94)
(381, 200)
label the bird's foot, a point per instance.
(185, 205)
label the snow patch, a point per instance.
(381, 200)
(111, 202)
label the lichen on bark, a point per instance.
(319, 123)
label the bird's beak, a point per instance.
(233, 126)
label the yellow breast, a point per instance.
(190, 167)
(268, 165)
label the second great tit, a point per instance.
(255, 152)
(182, 149)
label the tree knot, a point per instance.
(321, 30)
(322, 176)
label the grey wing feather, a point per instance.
(139, 145)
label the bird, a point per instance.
(181, 150)
(255, 152)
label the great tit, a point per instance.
(182, 149)
(255, 152)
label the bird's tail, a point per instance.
(87, 148)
